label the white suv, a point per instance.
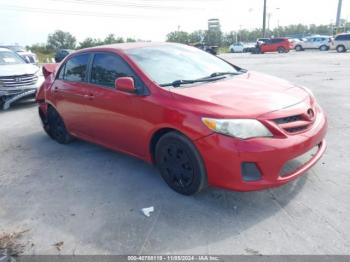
(341, 42)
(314, 42)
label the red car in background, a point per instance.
(278, 44)
(201, 120)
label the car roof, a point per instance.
(127, 46)
(2, 49)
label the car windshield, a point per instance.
(9, 58)
(168, 63)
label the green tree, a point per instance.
(130, 40)
(213, 37)
(61, 40)
(197, 36)
(40, 48)
(178, 37)
(90, 42)
(112, 39)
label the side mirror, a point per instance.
(125, 84)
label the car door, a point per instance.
(308, 43)
(266, 46)
(70, 93)
(115, 117)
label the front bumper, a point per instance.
(9, 96)
(223, 157)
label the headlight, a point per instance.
(240, 128)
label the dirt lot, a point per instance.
(84, 199)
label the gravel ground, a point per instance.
(84, 199)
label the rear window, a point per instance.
(343, 37)
(275, 41)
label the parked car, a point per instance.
(341, 42)
(236, 48)
(28, 56)
(314, 42)
(294, 42)
(241, 47)
(201, 120)
(18, 79)
(207, 48)
(61, 54)
(278, 44)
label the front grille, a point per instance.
(294, 164)
(296, 129)
(18, 81)
(288, 119)
(295, 123)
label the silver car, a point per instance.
(26, 55)
(18, 79)
(341, 43)
(314, 42)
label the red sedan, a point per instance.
(201, 120)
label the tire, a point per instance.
(2, 102)
(180, 164)
(281, 50)
(341, 49)
(299, 48)
(323, 48)
(56, 128)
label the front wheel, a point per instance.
(298, 48)
(180, 164)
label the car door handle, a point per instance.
(55, 89)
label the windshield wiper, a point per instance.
(178, 83)
(223, 74)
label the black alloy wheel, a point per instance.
(180, 164)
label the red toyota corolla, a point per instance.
(201, 120)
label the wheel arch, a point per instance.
(157, 135)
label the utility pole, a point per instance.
(264, 19)
(337, 23)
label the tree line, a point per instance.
(221, 39)
(65, 40)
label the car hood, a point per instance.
(250, 94)
(18, 69)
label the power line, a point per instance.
(128, 4)
(78, 13)
(73, 12)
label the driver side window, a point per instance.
(106, 68)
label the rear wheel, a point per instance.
(180, 164)
(298, 48)
(341, 49)
(281, 50)
(56, 128)
(2, 102)
(323, 48)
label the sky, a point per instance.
(27, 22)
